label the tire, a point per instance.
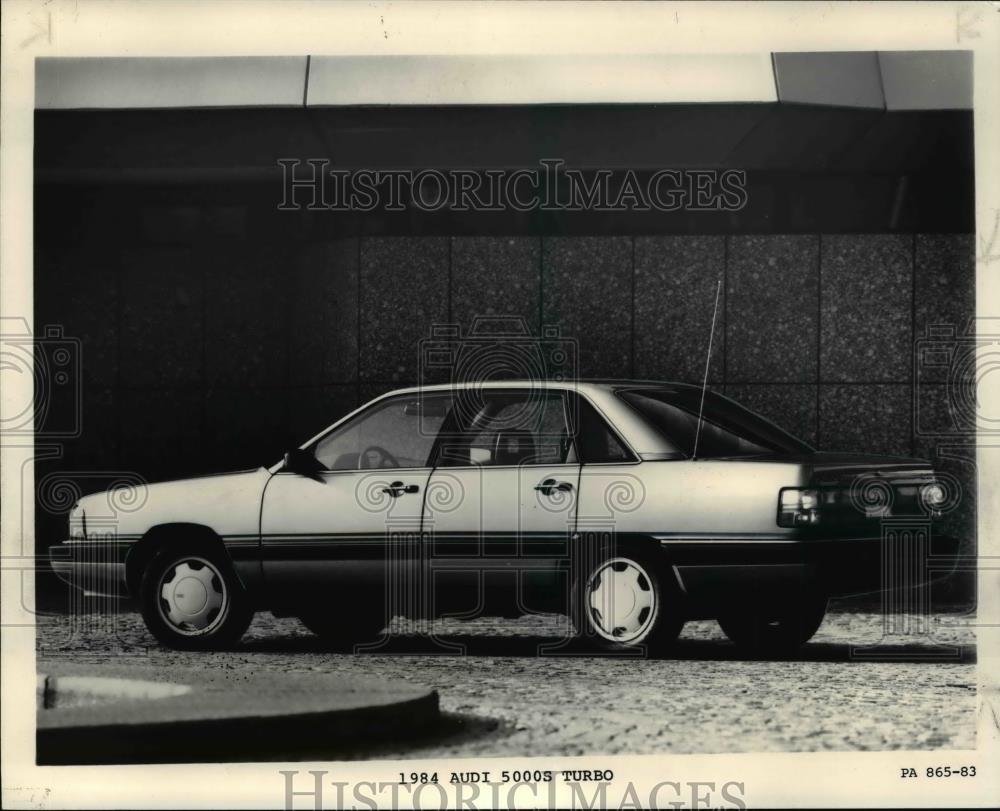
(779, 629)
(342, 624)
(192, 600)
(641, 610)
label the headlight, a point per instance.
(798, 508)
(77, 524)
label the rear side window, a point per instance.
(727, 428)
(507, 428)
(595, 438)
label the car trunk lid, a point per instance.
(862, 489)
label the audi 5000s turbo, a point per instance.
(630, 506)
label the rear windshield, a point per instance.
(727, 429)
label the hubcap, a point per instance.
(193, 596)
(621, 600)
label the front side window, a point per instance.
(508, 429)
(727, 428)
(398, 433)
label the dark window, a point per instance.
(595, 439)
(507, 428)
(727, 428)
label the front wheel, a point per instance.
(624, 601)
(192, 600)
(775, 629)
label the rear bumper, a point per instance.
(901, 558)
(93, 567)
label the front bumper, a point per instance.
(94, 567)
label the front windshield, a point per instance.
(727, 429)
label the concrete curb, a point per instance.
(112, 714)
(53, 691)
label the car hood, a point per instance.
(229, 503)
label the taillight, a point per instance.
(934, 495)
(798, 507)
(77, 524)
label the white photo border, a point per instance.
(34, 29)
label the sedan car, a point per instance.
(631, 506)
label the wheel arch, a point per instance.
(597, 542)
(641, 544)
(179, 534)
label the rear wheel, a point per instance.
(192, 600)
(623, 601)
(775, 629)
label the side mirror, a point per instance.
(303, 463)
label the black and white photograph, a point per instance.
(424, 413)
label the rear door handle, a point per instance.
(549, 486)
(397, 489)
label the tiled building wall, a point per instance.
(212, 353)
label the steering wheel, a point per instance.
(383, 453)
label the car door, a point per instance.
(361, 511)
(502, 498)
(611, 486)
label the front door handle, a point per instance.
(550, 486)
(397, 489)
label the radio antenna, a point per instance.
(704, 383)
